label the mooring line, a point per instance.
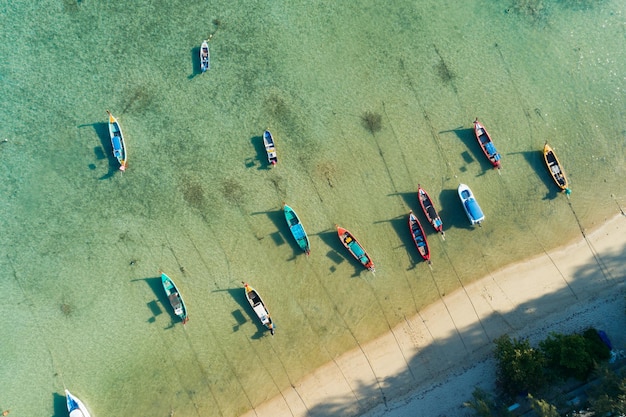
(618, 206)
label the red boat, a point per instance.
(355, 248)
(486, 144)
(429, 210)
(419, 237)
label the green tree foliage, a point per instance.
(520, 367)
(574, 355)
(484, 405)
(608, 397)
(543, 408)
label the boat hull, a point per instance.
(429, 210)
(355, 248)
(75, 407)
(117, 142)
(486, 144)
(259, 308)
(270, 148)
(205, 57)
(174, 297)
(470, 205)
(555, 168)
(296, 228)
(419, 237)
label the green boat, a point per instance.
(296, 229)
(176, 300)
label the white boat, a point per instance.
(75, 407)
(205, 56)
(470, 205)
(259, 308)
(270, 148)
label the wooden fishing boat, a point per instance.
(259, 307)
(419, 237)
(268, 141)
(429, 210)
(117, 141)
(470, 205)
(486, 144)
(355, 248)
(173, 295)
(555, 168)
(297, 230)
(205, 56)
(75, 407)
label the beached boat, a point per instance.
(297, 230)
(419, 237)
(486, 144)
(259, 307)
(555, 168)
(355, 248)
(268, 141)
(117, 141)
(470, 205)
(75, 407)
(173, 295)
(429, 210)
(205, 56)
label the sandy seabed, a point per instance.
(430, 364)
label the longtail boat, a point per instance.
(555, 168)
(75, 407)
(355, 248)
(296, 228)
(174, 297)
(429, 210)
(205, 56)
(117, 141)
(259, 307)
(486, 144)
(270, 148)
(470, 205)
(419, 237)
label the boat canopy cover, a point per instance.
(356, 249)
(491, 150)
(117, 144)
(298, 231)
(474, 209)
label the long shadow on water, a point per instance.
(105, 150)
(338, 253)
(261, 155)
(468, 137)
(401, 225)
(161, 302)
(473, 343)
(59, 405)
(452, 213)
(536, 162)
(245, 312)
(195, 62)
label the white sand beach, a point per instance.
(430, 364)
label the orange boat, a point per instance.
(355, 248)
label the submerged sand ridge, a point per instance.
(430, 364)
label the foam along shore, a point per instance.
(430, 364)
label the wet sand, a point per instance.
(430, 364)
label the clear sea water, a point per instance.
(83, 243)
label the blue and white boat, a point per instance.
(297, 230)
(470, 205)
(75, 407)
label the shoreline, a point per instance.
(444, 351)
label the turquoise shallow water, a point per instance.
(83, 243)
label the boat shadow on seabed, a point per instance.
(160, 303)
(536, 162)
(244, 313)
(104, 150)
